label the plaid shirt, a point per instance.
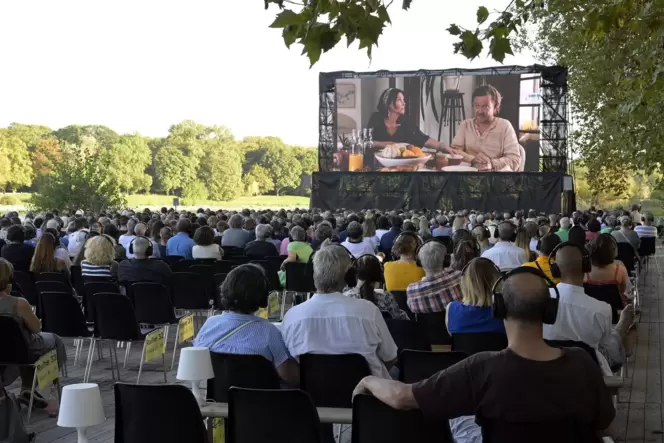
(432, 294)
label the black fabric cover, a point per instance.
(540, 191)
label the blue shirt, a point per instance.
(442, 232)
(387, 240)
(467, 319)
(258, 338)
(181, 244)
(65, 240)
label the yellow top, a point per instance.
(543, 263)
(398, 275)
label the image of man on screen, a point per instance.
(390, 125)
(487, 142)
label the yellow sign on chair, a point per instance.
(154, 344)
(186, 328)
(47, 369)
(274, 307)
(218, 431)
(262, 313)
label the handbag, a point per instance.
(12, 429)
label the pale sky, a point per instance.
(142, 65)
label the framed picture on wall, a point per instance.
(345, 95)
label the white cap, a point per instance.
(79, 212)
(195, 364)
(81, 406)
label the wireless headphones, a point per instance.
(465, 268)
(499, 308)
(555, 270)
(350, 277)
(148, 252)
(514, 228)
(418, 242)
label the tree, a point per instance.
(283, 168)
(193, 192)
(173, 169)
(45, 155)
(29, 134)
(20, 168)
(308, 158)
(127, 160)
(74, 134)
(79, 181)
(258, 181)
(221, 170)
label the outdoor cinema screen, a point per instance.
(417, 122)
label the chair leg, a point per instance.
(163, 363)
(110, 347)
(127, 355)
(175, 345)
(165, 337)
(117, 363)
(79, 345)
(140, 366)
(32, 396)
(88, 365)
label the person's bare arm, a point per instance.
(29, 318)
(393, 393)
(290, 372)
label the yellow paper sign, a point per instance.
(47, 369)
(274, 307)
(262, 313)
(218, 430)
(154, 344)
(186, 327)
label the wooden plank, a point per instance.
(638, 393)
(635, 423)
(653, 423)
(653, 378)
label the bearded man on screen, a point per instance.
(487, 142)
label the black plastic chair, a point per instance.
(574, 344)
(401, 298)
(495, 431)
(24, 282)
(157, 413)
(271, 266)
(408, 335)
(433, 325)
(627, 255)
(53, 286)
(205, 272)
(218, 281)
(472, 343)
(647, 251)
(277, 410)
(172, 259)
(243, 371)
(183, 265)
(232, 251)
(420, 365)
(608, 294)
(52, 276)
(331, 379)
(77, 280)
(91, 288)
(190, 292)
(376, 422)
(299, 277)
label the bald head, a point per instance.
(526, 296)
(570, 262)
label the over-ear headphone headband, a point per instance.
(500, 309)
(418, 242)
(148, 251)
(496, 232)
(585, 258)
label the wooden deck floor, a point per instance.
(639, 415)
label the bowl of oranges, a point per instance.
(402, 154)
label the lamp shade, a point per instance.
(195, 364)
(81, 406)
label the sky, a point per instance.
(142, 65)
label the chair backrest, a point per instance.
(27, 287)
(626, 255)
(271, 266)
(91, 289)
(52, 276)
(13, 346)
(243, 371)
(472, 343)
(408, 335)
(218, 281)
(62, 315)
(433, 325)
(574, 344)
(172, 259)
(190, 291)
(376, 422)
(277, 410)
(157, 413)
(77, 279)
(183, 265)
(52, 286)
(420, 365)
(608, 294)
(494, 431)
(300, 277)
(152, 303)
(331, 379)
(115, 318)
(648, 246)
(232, 251)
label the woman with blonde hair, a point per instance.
(369, 231)
(99, 258)
(44, 259)
(459, 223)
(474, 314)
(425, 230)
(523, 241)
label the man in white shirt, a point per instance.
(505, 254)
(356, 243)
(646, 229)
(331, 323)
(583, 318)
(76, 237)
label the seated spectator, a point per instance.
(76, 237)
(563, 230)
(112, 231)
(439, 287)
(404, 271)
(222, 226)
(44, 259)
(369, 280)
(140, 230)
(387, 240)
(577, 235)
(610, 225)
(594, 227)
(382, 227)
(270, 238)
(545, 247)
(529, 382)
(424, 232)
(181, 244)
(235, 236)
(298, 250)
(30, 234)
(474, 313)
(141, 268)
(583, 318)
(16, 251)
(505, 254)
(464, 253)
(165, 234)
(626, 233)
(323, 232)
(39, 342)
(126, 238)
(261, 247)
(369, 232)
(60, 250)
(646, 228)
(356, 243)
(482, 237)
(523, 240)
(532, 233)
(205, 247)
(331, 323)
(99, 258)
(238, 331)
(249, 228)
(605, 269)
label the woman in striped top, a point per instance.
(99, 258)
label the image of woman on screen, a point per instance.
(486, 141)
(391, 126)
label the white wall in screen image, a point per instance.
(428, 123)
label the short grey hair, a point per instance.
(565, 222)
(330, 266)
(236, 221)
(432, 257)
(262, 231)
(611, 221)
(298, 233)
(140, 246)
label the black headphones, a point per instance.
(148, 252)
(485, 231)
(498, 305)
(418, 242)
(555, 270)
(350, 277)
(514, 227)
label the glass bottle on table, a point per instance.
(369, 146)
(356, 157)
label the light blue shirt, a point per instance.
(442, 232)
(259, 338)
(181, 244)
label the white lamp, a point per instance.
(80, 408)
(195, 365)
